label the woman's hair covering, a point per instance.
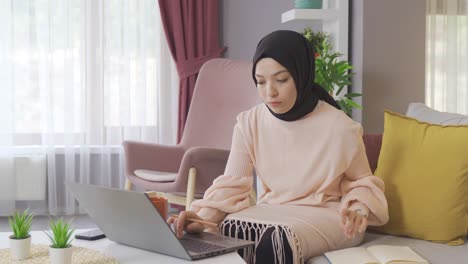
(295, 53)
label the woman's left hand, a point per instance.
(352, 222)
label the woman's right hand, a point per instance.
(181, 223)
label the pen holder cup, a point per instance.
(161, 204)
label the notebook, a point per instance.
(378, 254)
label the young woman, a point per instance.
(319, 192)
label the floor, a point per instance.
(42, 222)
(78, 222)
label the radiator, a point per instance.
(23, 177)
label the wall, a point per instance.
(389, 54)
(390, 73)
(245, 22)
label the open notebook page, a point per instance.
(402, 254)
(356, 255)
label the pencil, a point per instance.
(210, 224)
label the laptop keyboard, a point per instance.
(199, 246)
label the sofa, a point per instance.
(435, 253)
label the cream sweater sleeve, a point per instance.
(229, 193)
(361, 189)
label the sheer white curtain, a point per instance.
(77, 77)
(447, 55)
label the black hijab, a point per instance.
(294, 52)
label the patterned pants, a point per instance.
(266, 250)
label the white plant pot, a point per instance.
(20, 248)
(61, 255)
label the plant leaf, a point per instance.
(353, 104)
(61, 233)
(331, 71)
(351, 95)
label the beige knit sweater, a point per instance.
(318, 161)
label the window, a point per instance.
(76, 70)
(78, 77)
(446, 56)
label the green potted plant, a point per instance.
(316, 38)
(331, 72)
(60, 250)
(20, 241)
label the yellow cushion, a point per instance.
(425, 170)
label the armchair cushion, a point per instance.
(156, 176)
(425, 170)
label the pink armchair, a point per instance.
(224, 88)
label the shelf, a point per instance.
(309, 15)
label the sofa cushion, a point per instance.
(425, 170)
(424, 113)
(435, 253)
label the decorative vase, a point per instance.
(61, 255)
(20, 249)
(308, 4)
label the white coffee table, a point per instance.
(125, 254)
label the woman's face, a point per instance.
(275, 85)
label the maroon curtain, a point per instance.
(191, 28)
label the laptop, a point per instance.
(130, 218)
